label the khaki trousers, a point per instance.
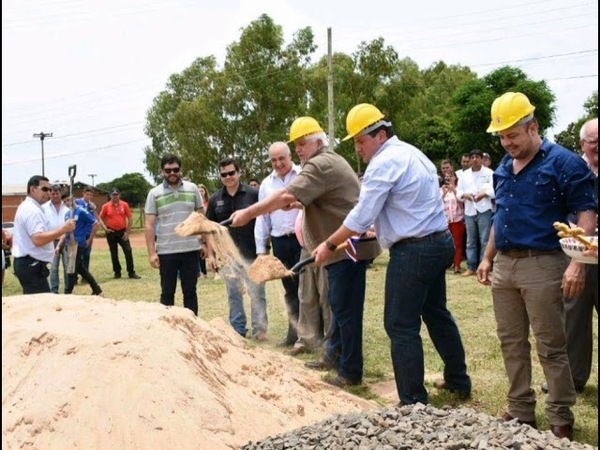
(527, 292)
(314, 319)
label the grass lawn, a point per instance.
(470, 302)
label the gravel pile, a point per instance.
(416, 427)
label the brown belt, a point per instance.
(526, 252)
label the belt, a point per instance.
(429, 236)
(31, 258)
(526, 252)
(290, 235)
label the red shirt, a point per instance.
(115, 216)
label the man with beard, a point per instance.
(171, 202)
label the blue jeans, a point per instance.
(478, 233)
(186, 265)
(234, 277)
(347, 300)
(415, 290)
(54, 276)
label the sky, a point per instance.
(87, 71)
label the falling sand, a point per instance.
(267, 267)
(90, 373)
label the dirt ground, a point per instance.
(137, 238)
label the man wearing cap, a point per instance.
(328, 188)
(537, 183)
(116, 219)
(486, 160)
(400, 196)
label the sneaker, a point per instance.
(443, 386)
(468, 273)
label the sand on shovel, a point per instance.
(266, 268)
(224, 247)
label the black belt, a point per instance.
(526, 252)
(285, 236)
(435, 235)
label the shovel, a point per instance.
(72, 248)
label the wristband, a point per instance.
(332, 247)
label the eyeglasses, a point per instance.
(590, 142)
(44, 188)
(228, 174)
(171, 170)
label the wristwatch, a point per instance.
(331, 246)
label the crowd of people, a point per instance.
(501, 220)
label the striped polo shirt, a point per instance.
(171, 207)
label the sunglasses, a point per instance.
(172, 170)
(228, 174)
(44, 188)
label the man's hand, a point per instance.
(483, 272)
(240, 218)
(322, 254)
(573, 280)
(126, 236)
(69, 225)
(154, 261)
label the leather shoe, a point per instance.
(442, 385)
(295, 351)
(342, 382)
(319, 364)
(117, 276)
(562, 431)
(134, 276)
(507, 417)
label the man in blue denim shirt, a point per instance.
(537, 183)
(400, 195)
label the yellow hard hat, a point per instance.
(508, 109)
(303, 126)
(360, 117)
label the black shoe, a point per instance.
(442, 385)
(117, 275)
(562, 431)
(134, 276)
(342, 382)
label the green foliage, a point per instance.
(133, 186)
(569, 138)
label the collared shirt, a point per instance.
(115, 216)
(277, 223)
(56, 218)
(476, 182)
(171, 207)
(84, 224)
(554, 183)
(400, 194)
(80, 202)
(29, 220)
(220, 207)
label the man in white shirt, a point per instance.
(33, 238)
(279, 227)
(476, 189)
(56, 212)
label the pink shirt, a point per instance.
(453, 207)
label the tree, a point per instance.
(133, 186)
(474, 100)
(569, 138)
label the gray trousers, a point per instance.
(578, 328)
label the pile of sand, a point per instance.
(82, 372)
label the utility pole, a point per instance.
(330, 90)
(93, 176)
(42, 136)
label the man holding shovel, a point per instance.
(328, 188)
(400, 195)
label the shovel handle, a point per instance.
(72, 172)
(311, 259)
(226, 222)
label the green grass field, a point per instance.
(469, 301)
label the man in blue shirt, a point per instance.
(536, 183)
